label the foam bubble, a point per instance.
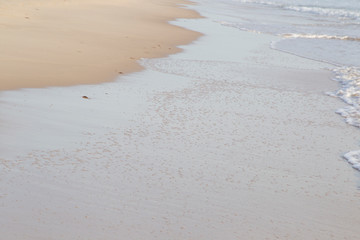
(334, 9)
(353, 158)
(349, 77)
(319, 36)
(323, 11)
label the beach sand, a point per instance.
(61, 43)
(221, 141)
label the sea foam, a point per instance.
(325, 31)
(319, 36)
(349, 78)
(341, 10)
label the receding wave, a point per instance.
(241, 27)
(321, 36)
(339, 11)
(333, 12)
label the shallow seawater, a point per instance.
(323, 30)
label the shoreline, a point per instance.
(68, 43)
(230, 142)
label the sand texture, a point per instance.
(220, 141)
(58, 43)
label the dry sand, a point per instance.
(58, 43)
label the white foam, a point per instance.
(349, 78)
(332, 12)
(319, 36)
(353, 158)
(309, 30)
(337, 10)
